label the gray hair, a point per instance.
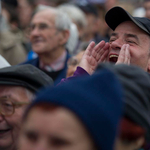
(62, 20)
(30, 94)
(75, 13)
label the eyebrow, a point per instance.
(33, 24)
(6, 96)
(128, 35)
(132, 36)
(59, 138)
(114, 34)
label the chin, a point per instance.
(4, 144)
(38, 50)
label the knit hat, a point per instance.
(136, 85)
(27, 76)
(96, 100)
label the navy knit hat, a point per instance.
(97, 102)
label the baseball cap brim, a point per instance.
(117, 15)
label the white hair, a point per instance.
(30, 94)
(73, 39)
(75, 13)
(62, 20)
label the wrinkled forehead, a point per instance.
(61, 117)
(127, 27)
(45, 14)
(16, 92)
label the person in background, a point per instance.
(146, 5)
(91, 31)
(74, 61)
(18, 85)
(49, 33)
(79, 18)
(12, 46)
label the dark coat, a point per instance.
(61, 73)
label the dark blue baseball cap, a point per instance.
(117, 15)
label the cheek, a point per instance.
(136, 52)
(16, 119)
(23, 143)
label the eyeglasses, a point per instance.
(41, 27)
(7, 106)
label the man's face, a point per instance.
(44, 36)
(73, 63)
(59, 129)
(10, 125)
(139, 42)
(147, 9)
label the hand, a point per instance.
(124, 55)
(94, 55)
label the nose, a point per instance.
(35, 32)
(117, 44)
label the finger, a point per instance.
(121, 57)
(102, 51)
(104, 56)
(127, 55)
(89, 49)
(100, 54)
(106, 47)
(99, 46)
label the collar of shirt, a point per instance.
(56, 65)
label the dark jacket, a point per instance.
(56, 76)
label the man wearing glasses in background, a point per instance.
(49, 33)
(17, 87)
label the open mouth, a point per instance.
(4, 131)
(113, 58)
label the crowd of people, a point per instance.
(74, 75)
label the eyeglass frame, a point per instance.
(14, 105)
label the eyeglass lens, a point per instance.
(6, 107)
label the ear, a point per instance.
(148, 66)
(63, 37)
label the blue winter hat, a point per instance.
(96, 100)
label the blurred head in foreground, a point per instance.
(79, 115)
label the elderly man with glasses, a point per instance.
(49, 33)
(17, 87)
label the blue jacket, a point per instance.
(62, 74)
